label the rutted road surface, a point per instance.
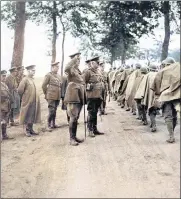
(128, 161)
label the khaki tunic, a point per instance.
(12, 86)
(93, 79)
(52, 86)
(75, 92)
(30, 106)
(5, 98)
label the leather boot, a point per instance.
(49, 122)
(31, 130)
(171, 132)
(90, 126)
(4, 132)
(95, 130)
(73, 142)
(54, 126)
(28, 130)
(75, 134)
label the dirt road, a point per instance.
(128, 161)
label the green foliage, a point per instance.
(8, 13)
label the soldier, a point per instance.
(6, 100)
(130, 90)
(124, 75)
(30, 107)
(12, 86)
(74, 96)
(52, 89)
(20, 74)
(106, 88)
(140, 91)
(94, 96)
(167, 85)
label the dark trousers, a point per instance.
(93, 106)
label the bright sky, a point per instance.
(37, 45)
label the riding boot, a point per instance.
(90, 126)
(73, 142)
(53, 122)
(4, 132)
(49, 122)
(28, 130)
(171, 132)
(75, 134)
(95, 130)
(31, 130)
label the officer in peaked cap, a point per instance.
(52, 90)
(30, 112)
(12, 86)
(94, 95)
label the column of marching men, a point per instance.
(20, 98)
(143, 90)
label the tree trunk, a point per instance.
(123, 56)
(166, 12)
(54, 39)
(62, 62)
(112, 57)
(19, 31)
(63, 42)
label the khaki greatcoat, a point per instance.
(30, 107)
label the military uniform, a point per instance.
(30, 107)
(63, 90)
(15, 106)
(74, 96)
(6, 101)
(94, 98)
(52, 89)
(167, 87)
(106, 89)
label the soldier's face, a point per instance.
(94, 64)
(55, 69)
(21, 72)
(3, 78)
(31, 73)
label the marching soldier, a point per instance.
(12, 86)
(94, 96)
(52, 89)
(106, 88)
(167, 86)
(130, 89)
(30, 107)
(74, 96)
(6, 101)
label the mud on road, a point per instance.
(128, 161)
